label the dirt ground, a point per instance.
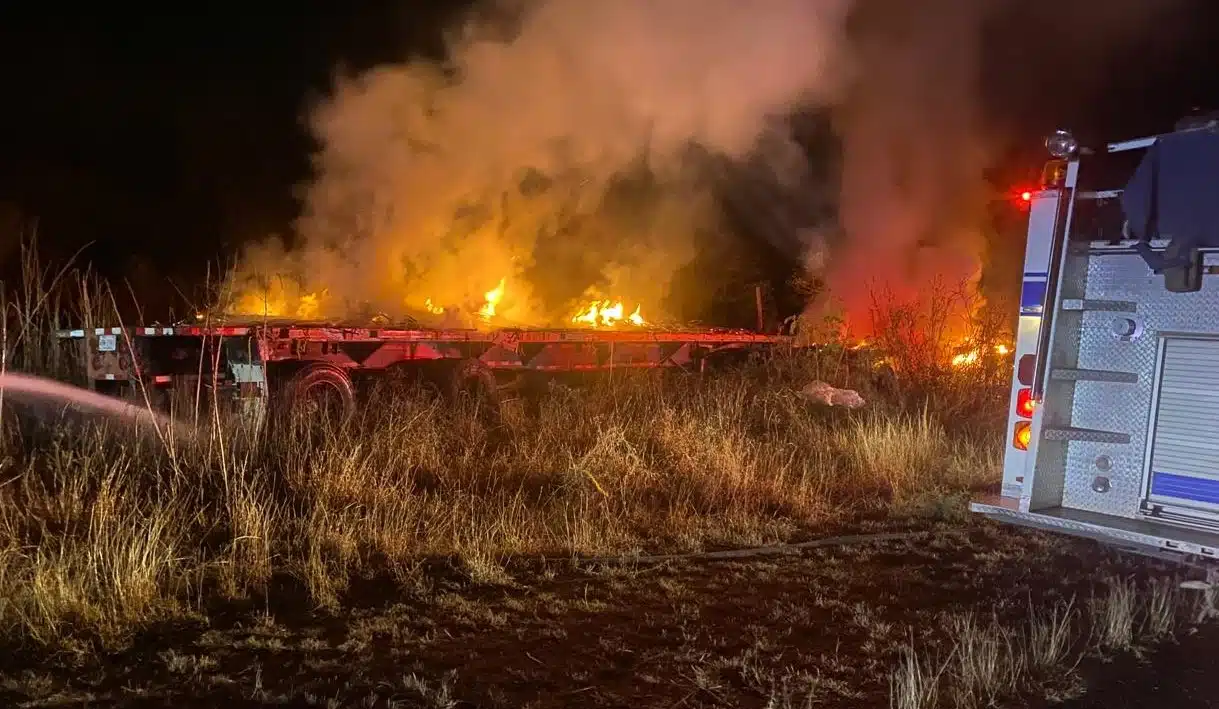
(1181, 674)
(819, 628)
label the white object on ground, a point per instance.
(822, 393)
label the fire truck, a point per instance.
(255, 367)
(1113, 423)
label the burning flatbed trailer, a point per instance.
(293, 363)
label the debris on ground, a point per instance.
(822, 393)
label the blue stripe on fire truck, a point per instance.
(1032, 293)
(1185, 487)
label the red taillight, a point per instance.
(1026, 196)
(1022, 436)
(1025, 403)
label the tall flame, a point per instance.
(493, 297)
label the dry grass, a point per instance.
(103, 531)
(987, 663)
(100, 530)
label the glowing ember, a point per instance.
(966, 358)
(432, 308)
(605, 313)
(493, 297)
(974, 356)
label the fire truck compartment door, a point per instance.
(1184, 460)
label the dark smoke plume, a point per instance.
(918, 137)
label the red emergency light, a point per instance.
(1021, 197)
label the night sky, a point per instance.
(167, 139)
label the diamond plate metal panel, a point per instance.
(1048, 482)
(1114, 306)
(1107, 340)
(1094, 375)
(1085, 434)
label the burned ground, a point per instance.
(822, 627)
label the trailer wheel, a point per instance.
(474, 381)
(320, 392)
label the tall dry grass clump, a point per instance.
(43, 299)
(103, 529)
(991, 663)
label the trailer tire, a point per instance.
(319, 390)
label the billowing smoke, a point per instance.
(568, 153)
(552, 155)
(913, 156)
(917, 134)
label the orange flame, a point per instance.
(974, 356)
(966, 358)
(280, 303)
(308, 306)
(275, 305)
(493, 298)
(605, 313)
(487, 311)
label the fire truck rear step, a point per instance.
(1141, 536)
